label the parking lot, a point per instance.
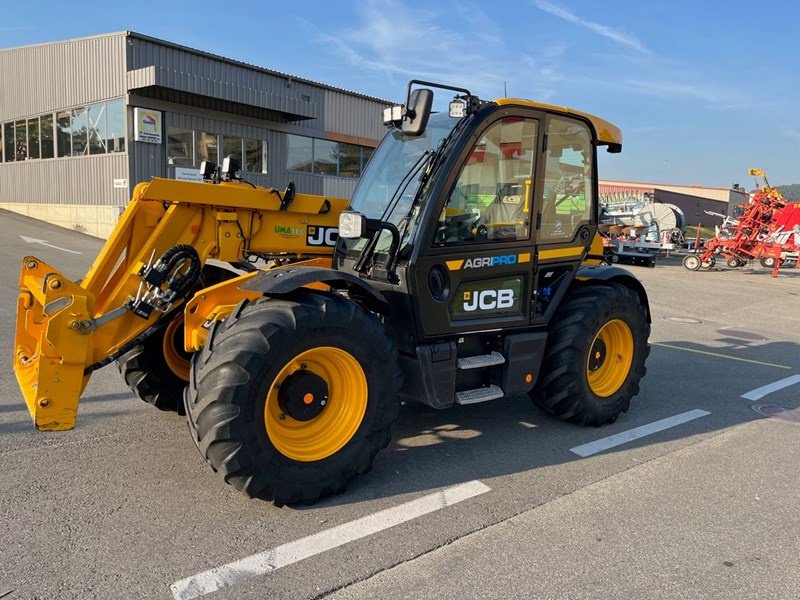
(691, 493)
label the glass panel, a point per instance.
(80, 126)
(299, 153)
(491, 199)
(349, 160)
(8, 142)
(207, 148)
(64, 133)
(255, 156)
(47, 136)
(232, 146)
(21, 140)
(179, 147)
(568, 180)
(115, 136)
(97, 129)
(326, 157)
(33, 138)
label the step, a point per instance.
(477, 395)
(480, 361)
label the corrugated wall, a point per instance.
(40, 79)
(353, 115)
(197, 73)
(85, 180)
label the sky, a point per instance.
(701, 90)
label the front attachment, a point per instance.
(52, 346)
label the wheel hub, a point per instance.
(303, 395)
(598, 355)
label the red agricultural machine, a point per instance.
(767, 230)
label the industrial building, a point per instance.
(84, 120)
(693, 200)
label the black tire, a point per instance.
(144, 367)
(563, 388)
(768, 262)
(733, 262)
(691, 262)
(709, 264)
(232, 376)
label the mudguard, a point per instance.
(285, 281)
(612, 273)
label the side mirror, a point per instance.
(352, 225)
(418, 111)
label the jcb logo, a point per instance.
(488, 300)
(322, 236)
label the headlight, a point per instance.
(352, 225)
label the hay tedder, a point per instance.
(768, 229)
(465, 269)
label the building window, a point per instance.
(255, 156)
(368, 152)
(116, 125)
(79, 130)
(8, 142)
(326, 157)
(349, 160)
(64, 133)
(47, 136)
(180, 145)
(232, 146)
(21, 140)
(207, 147)
(299, 153)
(33, 137)
(97, 129)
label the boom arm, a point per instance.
(65, 329)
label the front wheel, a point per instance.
(691, 262)
(595, 356)
(291, 399)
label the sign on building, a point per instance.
(188, 174)
(147, 125)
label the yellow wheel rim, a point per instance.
(346, 403)
(610, 358)
(177, 360)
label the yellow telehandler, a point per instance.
(467, 268)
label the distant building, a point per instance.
(83, 121)
(693, 200)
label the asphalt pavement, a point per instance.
(482, 501)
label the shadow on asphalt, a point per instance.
(433, 449)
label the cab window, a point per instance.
(568, 200)
(490, 201)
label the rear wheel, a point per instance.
(287, 404)
(157, 370)
(595, 356)
(768, 263)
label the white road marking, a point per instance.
(759, 393)
(287, 554)
(636, 433)
(31, 240)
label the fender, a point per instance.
(285, 281)
(614, 274)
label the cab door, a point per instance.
(476, 274)
(566, 210)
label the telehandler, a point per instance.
(467, 269)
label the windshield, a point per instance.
(392, 177)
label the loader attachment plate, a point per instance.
(50, 349)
